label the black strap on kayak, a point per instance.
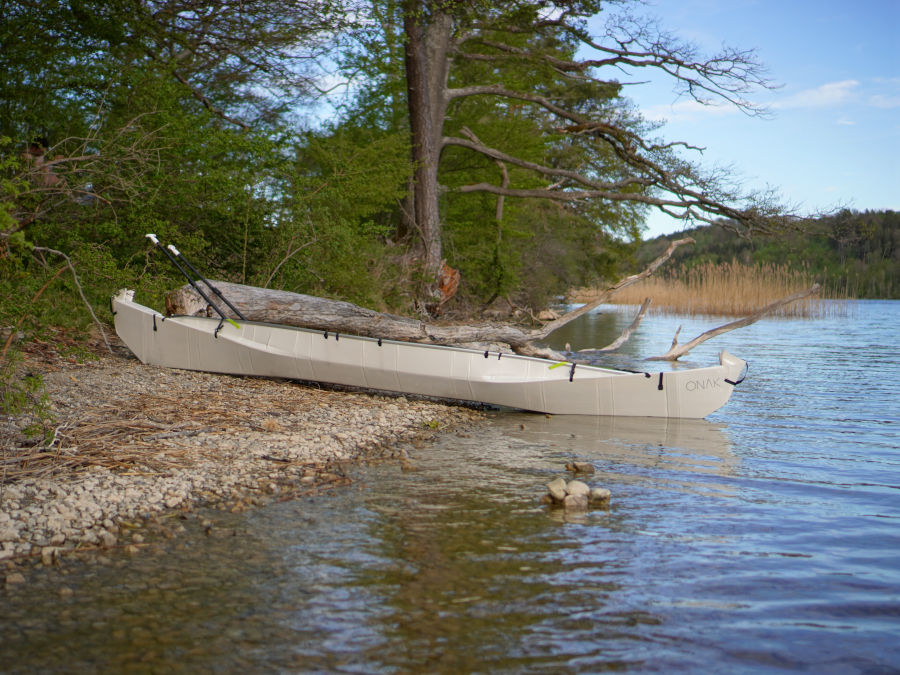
(742, 378)
(152, 237)
(659, 386)
(571, 372)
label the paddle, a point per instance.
(206, 281)
(152, 237)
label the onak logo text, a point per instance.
(708, 383)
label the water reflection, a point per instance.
(470, 572)
(624, 448)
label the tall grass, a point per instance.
(729, 289)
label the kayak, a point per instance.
(252, 348)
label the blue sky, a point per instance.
(834, 136)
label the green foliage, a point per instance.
(22, 395)
(535, 250)
(332, 234)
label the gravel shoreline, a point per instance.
(135, 441)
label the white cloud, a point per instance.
(826, 95)
(685, 111)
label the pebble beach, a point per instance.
(134, 442)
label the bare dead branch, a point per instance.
(626, 334)
(80, 290)
(676, 351)
(612, 290)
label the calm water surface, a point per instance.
(764, 539)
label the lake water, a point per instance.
(763, 539)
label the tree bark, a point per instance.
(296, 309)
(424, 96)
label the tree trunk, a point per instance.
(425, 149)
(296, 309)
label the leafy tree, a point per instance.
(524, 86)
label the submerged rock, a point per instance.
(577, 502)
(600, 496)
(580, 467)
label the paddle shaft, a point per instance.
(178, 254)
(152, 237)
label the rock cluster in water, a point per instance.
(574, 494)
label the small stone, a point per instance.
(49, 554)
(577, 488)
(557, 489)
(66, 592)
(14, 578)
(600, 495)
(577, 502)
(107, 539)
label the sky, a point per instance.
(833, 136)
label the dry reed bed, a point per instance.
(147, 433)
(727, 289)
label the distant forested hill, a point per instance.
(854, 251)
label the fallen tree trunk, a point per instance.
(306, 311)
(296, 309)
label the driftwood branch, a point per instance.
(626, 334)
(676, 351)
(615, 288)
(80, 290)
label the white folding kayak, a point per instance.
(268, 350)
